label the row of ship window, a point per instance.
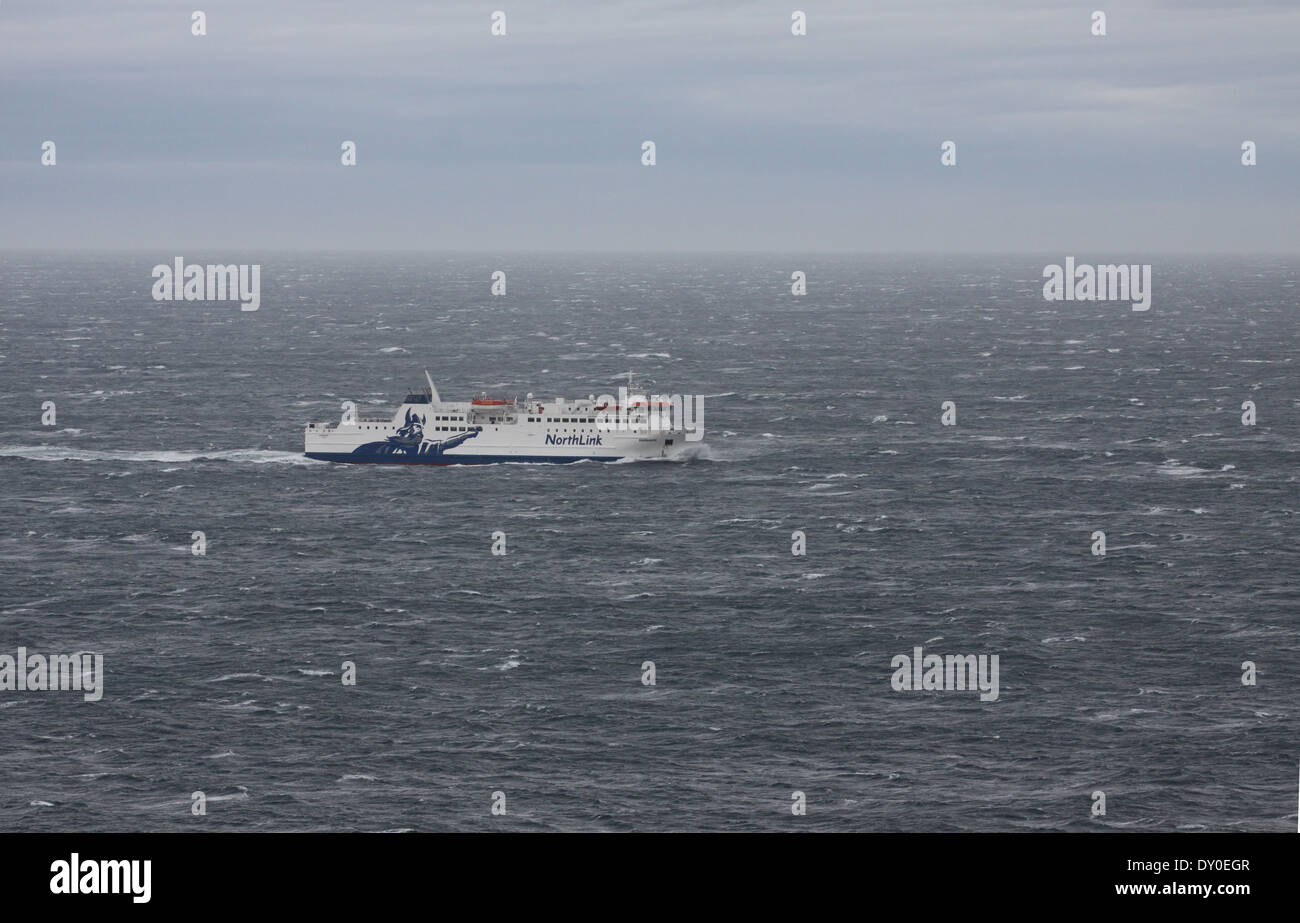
(462, 429)
(452, 429)
(533, 419)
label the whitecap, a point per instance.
(58, 453)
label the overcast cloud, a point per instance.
(765, 141)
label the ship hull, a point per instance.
(447, 460)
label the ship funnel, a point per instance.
(433, 392)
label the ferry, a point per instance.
(426, 430)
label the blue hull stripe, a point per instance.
(444, 460)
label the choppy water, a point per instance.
(522, 674)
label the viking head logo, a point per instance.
(410, 435)
(413, 431)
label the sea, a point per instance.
(941, 442)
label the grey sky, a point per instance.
(765, 141)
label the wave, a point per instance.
(699, 452)
(61, 453)
(1175, 468)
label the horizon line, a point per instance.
(633, 252)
